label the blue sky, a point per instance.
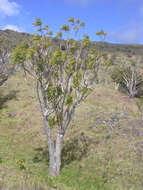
(122, 20)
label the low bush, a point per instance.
(129, 79)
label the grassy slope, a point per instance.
(114, 159)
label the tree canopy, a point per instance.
(64, 78)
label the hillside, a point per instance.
(14, 38)
(126, 49)
(103, 148)
(109, 122)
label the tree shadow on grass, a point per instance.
(72, 150)
(6, 98)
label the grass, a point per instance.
(114, 163)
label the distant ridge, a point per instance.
(14, 38)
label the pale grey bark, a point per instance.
(5, 67)
(59, 141)
(131, 83)
(116, 85)
(54, 149)
(106, 79)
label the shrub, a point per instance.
(21, 164)
(129, 79)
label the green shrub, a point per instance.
(21, 164)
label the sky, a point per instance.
(122, 20)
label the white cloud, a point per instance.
(130, 33)
(13, 27)
(9, 8)
(126, 37)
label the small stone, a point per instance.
(16, 84)
(120, 113)
(11, 114)
(107, 137)
(94, 126)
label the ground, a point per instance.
(107, 130)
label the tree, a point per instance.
(5, 68)
(76, 25)
(129, 79)
(106, 65)
(63, 80)
(101, 34)
(83, 25)
(66, 29)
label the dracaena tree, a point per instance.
(106, 66)
(102, 35)
(129, 79)
(64, 79)
(76, 25)
(5, 67)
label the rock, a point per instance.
(111, 123)
(107, 137)
(121, 113)
(16, 84)
(94, 126)
(30, 97)
(11, 114)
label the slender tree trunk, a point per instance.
(116, 85)
(55, 156)
(106, 83)
(58, 152)
(54, 150)
(106, 80)
(132, 91)
(51, 147)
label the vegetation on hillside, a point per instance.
(108, 120)
(103, 147)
